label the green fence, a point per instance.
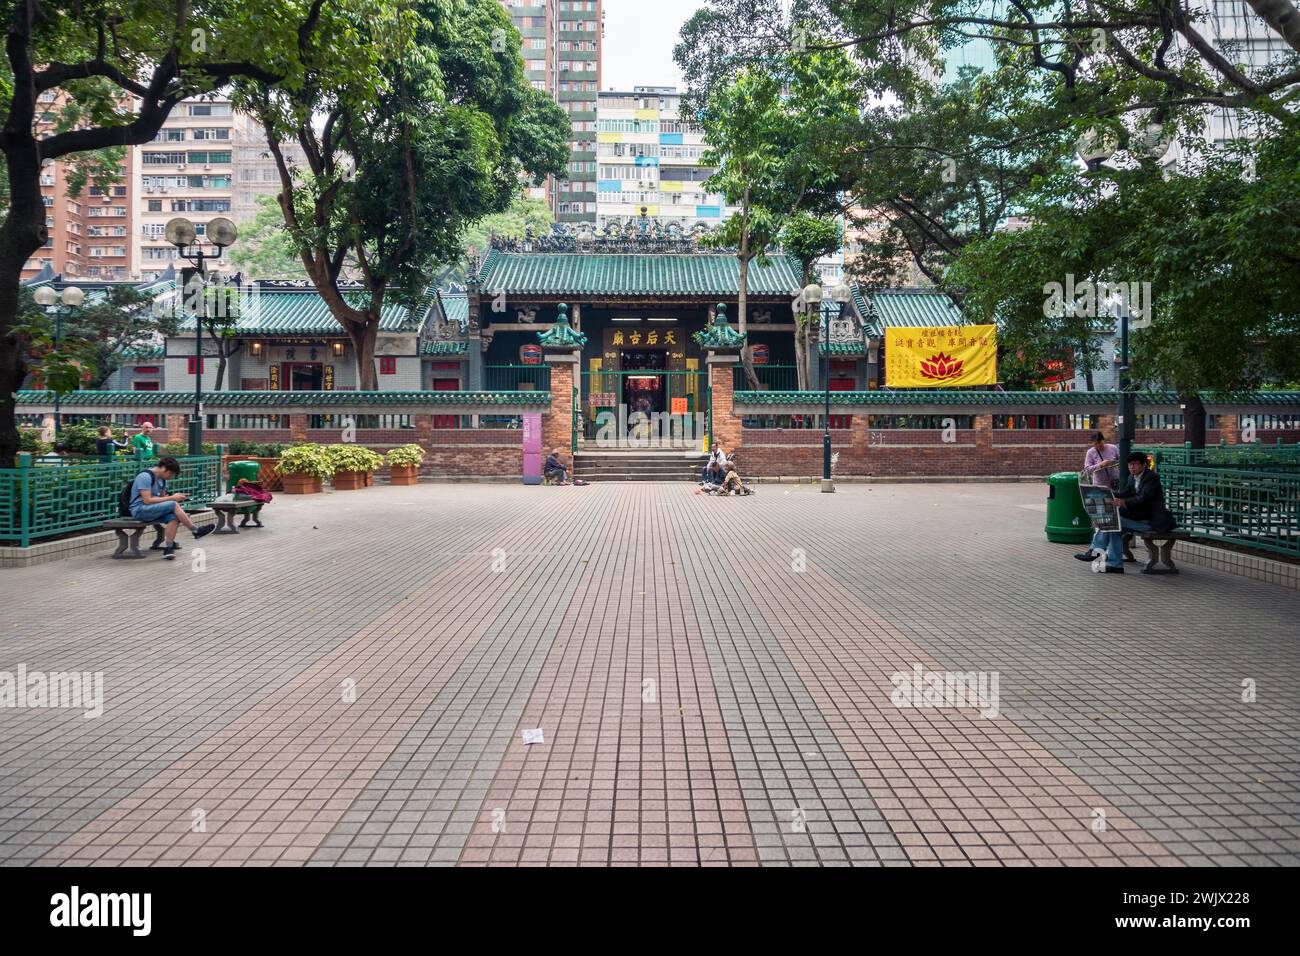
(41, 500)
(771, 378)
(517, 378)
(1248, 506)
(1257, 455)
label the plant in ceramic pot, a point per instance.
(352, 465)
(303, 468)
(404, 464)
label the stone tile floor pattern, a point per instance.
(714, 679)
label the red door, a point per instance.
(446, 385)
(842, 385)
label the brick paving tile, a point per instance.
(771, 629)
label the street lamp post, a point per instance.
(181, 233)
(812, 298)
(54, 302)
(1151, 143)
(1094, 148)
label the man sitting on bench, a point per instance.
(150, 502)
(1141, 505)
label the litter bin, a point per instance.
(241, 470)
(1066, 520)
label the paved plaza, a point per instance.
(718, 682)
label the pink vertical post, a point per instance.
(532, 448)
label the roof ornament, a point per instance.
(719, 336)
(561, 336)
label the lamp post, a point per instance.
(1094, 148)
(181, 233)
(1151, 142)
(54, 302)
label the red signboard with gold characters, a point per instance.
(941, 356)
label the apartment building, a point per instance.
(562, 56)
(89, 229)
(188, 170)
(648, 157)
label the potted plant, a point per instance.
(404, 464)
(303, 468)
(266, 454)
(352, 465)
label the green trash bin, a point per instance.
(241, 471)
(1066, 520)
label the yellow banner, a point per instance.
(941, 356)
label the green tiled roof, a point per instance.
(455, 305)
(841, 348)
(444, 348)
(633, 274)
(303, 312)
(227, 400)
(143, 352)
(895, 308)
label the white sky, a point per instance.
(639, 40)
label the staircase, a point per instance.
(638, 465)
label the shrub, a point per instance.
(353, 458)
(29, 439)
(255, 449)
(406, 455)
(80, 437)
(306, 458)
(181, 447)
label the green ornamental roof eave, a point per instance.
(633, 275)
(444, 348)
(995, 399)
(307, 400)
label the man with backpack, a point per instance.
(146, 499)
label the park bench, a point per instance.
(128, 546)
(227, 509)
(1160, 550)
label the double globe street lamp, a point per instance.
(70, 297)
(811, 296)
(181, 233)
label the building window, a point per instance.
(194, 365)
(388, 365)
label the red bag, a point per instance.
(251, 489)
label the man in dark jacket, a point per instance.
(1141, 504)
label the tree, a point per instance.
(808, 238)
(93, 339)
(779, 136)
(393, 178)
(524, 214)
(265, 249)
(114, 74)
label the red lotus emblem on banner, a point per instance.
(941, 367)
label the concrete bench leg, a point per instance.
(226, 522)
(255, 515)
(128, 546)
(1158, 554)
(160, 538)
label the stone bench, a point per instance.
(1160, 550)
(128, 546)
(226, 511)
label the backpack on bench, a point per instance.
(124, 497)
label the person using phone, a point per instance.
(151, 502)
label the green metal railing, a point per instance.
(1248, 506)
(517, 378)
(1276, 456)
(43, 500)
(771, 378)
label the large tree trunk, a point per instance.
(363, 345)
(742, 295)
(22, 233)
(801, 355)
(1193, 419)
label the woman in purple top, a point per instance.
(1102, 462)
